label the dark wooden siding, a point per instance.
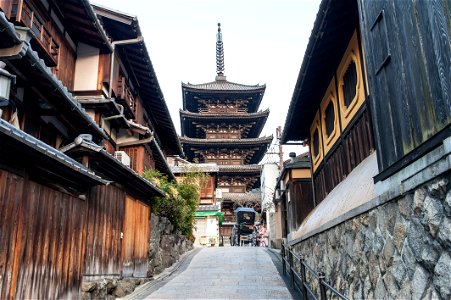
(354, 145)
(302, 201)
(103, 245)
(135, 244)
(42, 234)
(407, 52)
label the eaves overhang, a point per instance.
(21, 151)
(109, 167)
(122, 26)
(332, 30)
(24, 60)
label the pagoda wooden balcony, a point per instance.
(125, 97)
(223, 110)
(22, 13)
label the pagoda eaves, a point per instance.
(196, 124)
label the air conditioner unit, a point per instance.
(123, 157)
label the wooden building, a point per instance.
(372, 103)
(119, 89)
(369, 111)
(221, 124)
(71, 207)
(293, 197)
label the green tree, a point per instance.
(181, 197)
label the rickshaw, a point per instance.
(243, 229)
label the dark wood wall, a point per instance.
(354, 145)
(42, 240)
(301, 204)
(105, 222)
(407, 51)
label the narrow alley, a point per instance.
(220, 273)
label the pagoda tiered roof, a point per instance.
(221, 90)
(190, 121)
(223, 85)
(257, 145)
(252, 171)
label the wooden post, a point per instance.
(321, 286)
(303, 277)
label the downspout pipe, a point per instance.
(120, 115)
(139, 39)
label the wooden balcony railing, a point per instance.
(23, 13)
(125, 94)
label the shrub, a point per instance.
(181, 197)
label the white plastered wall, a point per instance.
(86, 68)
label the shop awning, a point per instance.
(201, 214)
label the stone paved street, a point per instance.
(224, 273)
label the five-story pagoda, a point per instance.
(221, 124)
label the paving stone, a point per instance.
(226, 273)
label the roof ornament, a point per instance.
(219, 55)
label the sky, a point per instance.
(264, 43)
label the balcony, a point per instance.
(23, 13)
(125, 97)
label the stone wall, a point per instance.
(166, 247)
(399, 250)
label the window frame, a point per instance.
(352, 54)
(330, 97)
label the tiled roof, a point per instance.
(9, 36)
(240, 168)
(122, 26)
(60, 95)
(112, 167)
(251, 197)
(190, 122)
(226, 142)
(222, 116)
(208, 168)
(208, 208)
(31, 144)
(334, 25)
(223, 85)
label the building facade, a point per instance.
(73, 205)
(372, 104)
(221, 124)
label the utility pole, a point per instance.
(278, 136)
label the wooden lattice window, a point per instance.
(350, 84)
(133, 153)
(316, 146)
(329, 121)
(315, 143)
(330, 118)
(351, 91)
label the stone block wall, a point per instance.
(166, 247)
(399, 250)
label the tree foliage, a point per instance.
(181, 197)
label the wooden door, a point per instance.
(136, 238)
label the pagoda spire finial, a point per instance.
(219, 55)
